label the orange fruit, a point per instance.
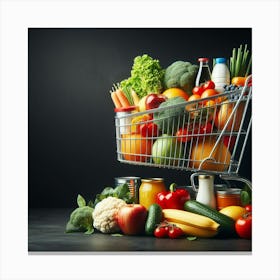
(175, 92)
(135, 148)
(194, 105)
(209, 93)
(238, 81)
(201, 151)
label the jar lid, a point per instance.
(206, 176)
(126, 178)
(229, 191)
(125, 109)
(203, 59)
(153, 180)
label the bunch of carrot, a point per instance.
(120, 100)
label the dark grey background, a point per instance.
(71, 134)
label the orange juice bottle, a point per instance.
(149, 189)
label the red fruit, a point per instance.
(153, 100)
(243, 226)
(197, 90)
(208, 85)
(132, 219)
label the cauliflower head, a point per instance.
(105, 214)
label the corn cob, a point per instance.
(189, 219)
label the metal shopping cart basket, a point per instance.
(207, 135)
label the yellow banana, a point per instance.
(195, 231)
(189, 219)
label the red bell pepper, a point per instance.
(149, 130)
(173, 199)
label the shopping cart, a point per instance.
(207, 135)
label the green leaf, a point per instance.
(116, 234)
(89, 231)
(121, 190)
(90, 204)
(81, 201)
(245, 197)
(108, 191)
(191, 238)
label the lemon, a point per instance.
(234, 212)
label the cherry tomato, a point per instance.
(208, 85)
(175, 232)
(206, 128)
(161, 231)
(243, 226)
(184, 134)
(197, 90)
(248, 208)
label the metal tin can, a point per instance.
(228, 197)
(149, 189)
(133, 185)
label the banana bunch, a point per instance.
(192, 224)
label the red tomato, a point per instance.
(161, 231)
(248, 208)
(197, 90)
(184, 134)
(175, 232)
(206, 128)
(243, 226)
(208, 85)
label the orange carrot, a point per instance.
(135, 97)
(124, 101)
(116, 100)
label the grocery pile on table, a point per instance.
(174, 215)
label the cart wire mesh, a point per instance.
(207, 134)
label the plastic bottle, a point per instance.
(220, 74)
(204, 73)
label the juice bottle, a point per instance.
(204, 73)
(148, 190)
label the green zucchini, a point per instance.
(227, 224)
(154, 218)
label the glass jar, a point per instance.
(228, 197)
(206, 194)
(149, 189)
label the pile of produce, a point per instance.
(179, 121)
(174, 215)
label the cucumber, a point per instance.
(227, 224)
(154, 218)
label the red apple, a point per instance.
(153, 100)
(132, 219)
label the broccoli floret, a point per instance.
(181, 74)
(81, 218)
(172, 117)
